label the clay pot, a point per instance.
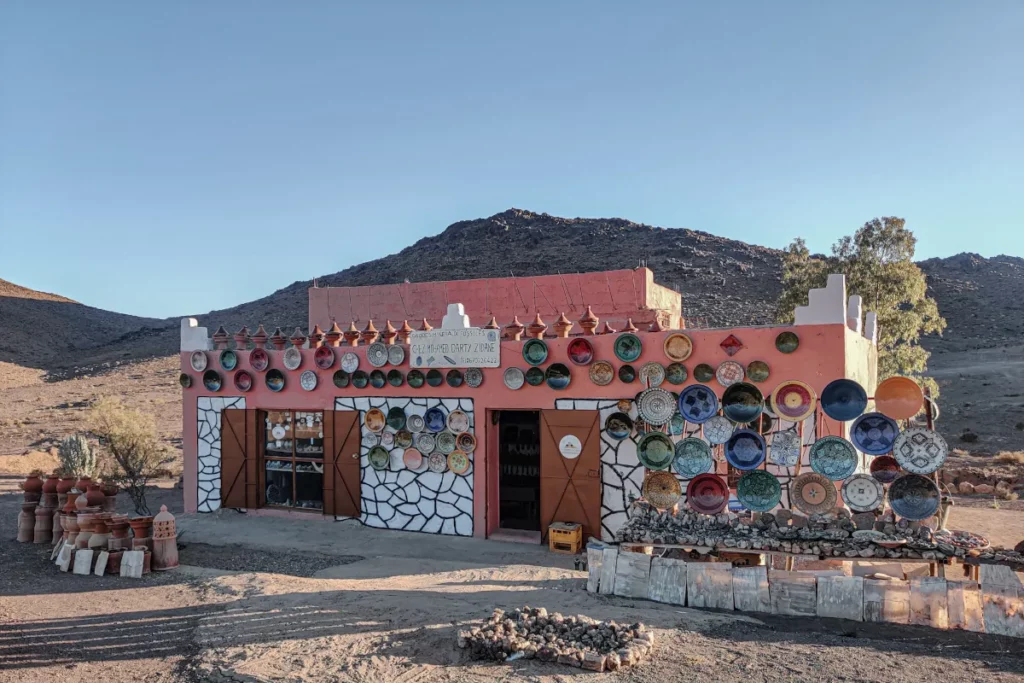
(50, 485)
(58, 526)
(147, 561)
(70, 523)
(94, 496)
(83, 484)
(118, 527)
(27, 522)
(65, 484)
(33, 483)
(42, 531)
(100, 535)
(85, 524)
(82, 501)
(141, 527)
(71, 504)
(114, 562)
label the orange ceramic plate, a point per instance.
(375, 419)
(412, 458)
(678, 347)
(900, 398)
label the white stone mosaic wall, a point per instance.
(398, 498)
(208, 447)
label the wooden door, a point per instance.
(239, 459)
(570, 488)
(341, 474)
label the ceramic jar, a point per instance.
(81, 501)
(110, 493)
(141, 531)
(27, 521)
(50, 491)
(83, 484)
(94, 496)
(32, 487)
(65, 484)
(71, 528)
(43, 527)
(72, 503)
(85, 522)
(100, 534)
(114, 562)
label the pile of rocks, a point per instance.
(531, 633)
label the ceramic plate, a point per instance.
(678, 347)
(885, 469)
(920, 451)
(655, 451)
(415, 379)
(259, 360)
(349, 362)
(718, 429)
(678, 423)
(415, 423)
(474, 377)
(535, 377)
(652, 374)
(426, 443)
(618, 426)
(793, 401)
(787, 342)
(465, 442)
(458, 421)
(833, 457)
(627, 374)
(914, 497)
(198, 361)
(396, 354)
(435, 419)
(843, 400)
(656, 406)
(434, 377)
(784, 450)
(370, 440)
(445, 442)
(581, 351)
(323, 357)
(412, 459)
(813, 494)
(387, 439)
(396, 418)
(745, 449)
(307, 380)
(458, 462)
(403, 438)
(742, 403)
(704, 373)
(730, 372)
(275, 380)
(377, 354)
(874, 433)
(228, 359)
(692, 457)
(437, 462)
(661, 490)
(601, 373)
(764, 424)
(375, 419)
(395, 377)
(558, 376)
(292, 358)
(759, 491)
(360, 380)
(535, 351)
(628, 347)
(707, 494)
(513, 378)
(863, 493)
(698, 404)
(676, 373)
(184, 380)
(378, 457)
(899, 397)
(378, 379)
(212, 380)
(757, 371)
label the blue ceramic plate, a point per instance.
(619, 426)
(742, 403)
(698, 404)
(759, 491)
(745, 449)
(914, 497)
(692, 457)
(628, 347)
(212, 380)
(434, 377)
(833, 457)
(435, 419)
(275, 380)
(843, 399)
(557, 376)
(874, 433)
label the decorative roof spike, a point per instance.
(656, 325)
(426, 327)
(242, 338)
(298, 338)
(608, 329)
(589, 322)
(389, 333)
(563, 326)
(352, 334)
(220, 338)
(630, 327)
(259, 338)
(493, 325)
(370, 333)
(514, 330)
(316, 337)
(278, 340)
(333, 334)
(537, 328)
(405, 332)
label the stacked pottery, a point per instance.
(83, 483)
(114, 562)
(100, 532)
(63, 486)
(94, 496)
(110, 494)
(165, 542)
(69, 520)
(50, 491)
(85, 522)
(33, 487)
(42, 531)
(81, 502)
(118, 533)
(141, 531)
(27, 521)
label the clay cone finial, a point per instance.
(278, 340)
(630, 327)
(316, 337)
(370, 333)
(352, 334)
(333, 335)
(260, 337)
(492, 325)
(514, 330)
(426, 327)
(608, 329)
(589, 322)
(537, 327)
(389, 333)
(242, 338)
(563, 326)
(220, 338)
(404, 332)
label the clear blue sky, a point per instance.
(176, 157)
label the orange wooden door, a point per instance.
(239, 459)
(570, 488)
(341, 474)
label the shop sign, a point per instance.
(471, 347)
(570, 447)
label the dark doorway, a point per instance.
(519, 473)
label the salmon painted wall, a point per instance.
(613, 295)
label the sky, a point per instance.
(164, 159)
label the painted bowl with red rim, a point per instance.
(259, 360)
(323, 357)
(707, 494)
(243, 380)
(581, 351)
(793, 401)
(885, 469)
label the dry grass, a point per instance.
(1010, 457)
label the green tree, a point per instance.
(878, 262)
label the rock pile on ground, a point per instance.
(582, 642)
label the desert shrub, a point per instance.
(1011, 457)
(77, 457)
(129, 438)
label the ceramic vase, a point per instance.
(42, 531)
(50, 491)
(27, 522)
(100, 534)
(70, 523)
(83, 484)
(94, 496)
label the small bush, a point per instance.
(77, 457)
(1011, 457)
(129, 437)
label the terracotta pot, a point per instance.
(141, 526)
(42, 531)
(71, 504)
(85, 522)
(110, 489)
(50, 485)
(83, 484)
(147, 561)
(114, 562)
(118, 527)
(33, 483)
(65, 484)
(58, 526)
(70, 522)
(32, 496)
(82, 501)
(100, 535)
(27, 522)
(94, 496)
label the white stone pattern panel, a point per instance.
(208, 447)
(399, 498)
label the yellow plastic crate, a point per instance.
(565, 537)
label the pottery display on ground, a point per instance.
(141, 531)
(94, 496)
(42, 530)
(165, 543)
(27, 522)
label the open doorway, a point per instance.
(519, 471)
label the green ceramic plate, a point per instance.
(675, 373)
(435, 378)
(787, 342)
(628, 347)
(655, 451)
(692, 457)
(341, 379)
(757, 371)
(535, 377)
(228, 359)
(395, 378)
(627, 374)
(535, 351)
(759, 491)
(704, 373)
(360, 379)
(378, 457)
(396, 418)
(454, 378)
(378, 379)
(415, 379)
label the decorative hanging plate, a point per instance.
(513, 378)
(757, 371)
(434, 377)
(395, 377)
(678, 347)
(415, 379)
(718, 429)
(377, 354)
(275, 380)
(885, 469)
(259, 360)
(677, 424)
(396, 418)
(360, 379)
(813, 494)
(652, 374)
(445, 442)
(661, 490)
(764, 424)
(730, 372)
(349, 362)
(656, 406)
(414, 423)
(458, 421)
(843, 399)
(396, 354)
(323, 357)
(863, 493)
(704, 373)
(793, 401)
(535, 351)
(184, 380)
(458, 462)
(920, 451)
(378, 379)
(692, 457)
(581, 351)
(307, 380)
(212, 380)
(426, 443)
(745, 449)
(378, 457)
(412, 458)
(787, 342)
(899, 397)
(437, 462)
(676, 373)
(601, 373)
(228, 359)
(292, 358)
(558, 376)
(628, 347)
(465, 442)
(618, 426)
(833, 457)
(914, 497)
(535, 377)
(278, 431)
(742, 403)
(474, 377)
(759, 491)
(435, 419)
(370, 440)
(624, 405)
(341, 379)
(627, 373)
(454, 378)
(655, 451)
(707, 494)
(784, 450)
(698, 404)
(387, 439)
(375, 419)
(874, 433)
(403, 438)
(198, 361)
